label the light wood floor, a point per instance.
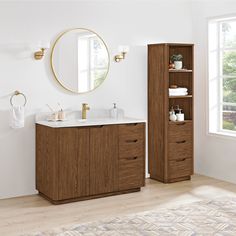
(33, 213)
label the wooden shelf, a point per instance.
(186, 96)
(180, 71)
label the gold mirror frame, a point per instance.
(51, 59)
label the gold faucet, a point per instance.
(85, 108)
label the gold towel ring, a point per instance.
(16, 93)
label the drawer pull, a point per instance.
(183, 123)
(131, 158)
(97, 126)
(184, 141)
(180, 160)
(134, 124)
(132, 141)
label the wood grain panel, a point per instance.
(103, 159)
(180, 149)
(180, 131)
(46, 161)
(180, 168)
(158, 57)
(83, 161)
(131, 172)
(73, 162)
(67, 159)
(130, 149)
(131, 132)
(131, 140)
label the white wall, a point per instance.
(214, 156)
(134, 23)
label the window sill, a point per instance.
(223, 135)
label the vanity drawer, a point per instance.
(180, 168)
(131, 132)
(180, 149)
(180, 131)
(131, 148)
(131, 172)
(131, 140)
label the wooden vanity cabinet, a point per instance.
(80, 163)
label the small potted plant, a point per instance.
(177, 59)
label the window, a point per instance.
(92, 62)
(222, 76)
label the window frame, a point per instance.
(218, 129)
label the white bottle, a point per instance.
(114, 112)
(172, 116)
(180, 115)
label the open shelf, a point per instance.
(180, 71)
(186, 96)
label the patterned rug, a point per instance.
(215, 217)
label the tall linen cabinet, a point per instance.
(170, 144)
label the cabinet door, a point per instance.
(73, 163)
(103, 159)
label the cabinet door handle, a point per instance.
(183, 123)
(183, 141)
(180, 160)
(131, 158)
(132, 141)
(99, 126)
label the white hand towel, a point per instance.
(178, 90)
(178, 94)
(17, 117)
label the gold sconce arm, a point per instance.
(123, 51)
(39, 54)
(42, 46)
(120, 57)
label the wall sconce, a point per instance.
(42, 47)
(123, 50)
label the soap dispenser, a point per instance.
(172, 115)
(114, 112)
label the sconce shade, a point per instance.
(123, 48)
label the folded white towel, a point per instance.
(17, 117)
(176, 90)
(178, 94)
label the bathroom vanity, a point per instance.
(83, 160)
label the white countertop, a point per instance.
(89, 122)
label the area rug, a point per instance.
(214, 217)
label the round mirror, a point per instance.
(80, 60)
